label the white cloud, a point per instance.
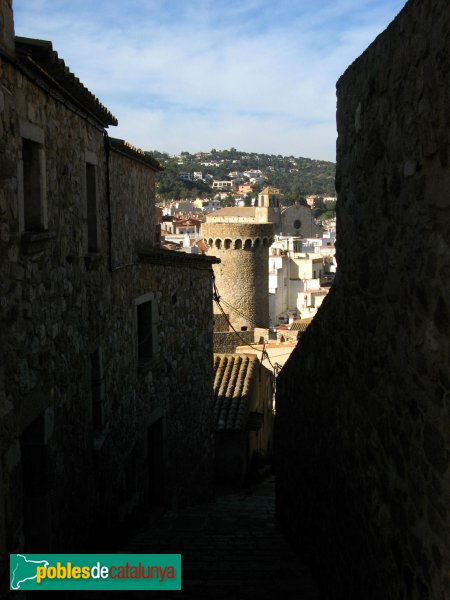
(175, 132)
(252, 74)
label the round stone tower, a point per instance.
(242, 279)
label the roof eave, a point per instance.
(39, 56)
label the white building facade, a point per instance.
(295, 289)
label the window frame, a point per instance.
(143, 361)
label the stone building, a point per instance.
(363, 476)
(298, 221)
(102, 411)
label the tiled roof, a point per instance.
(39, 58)
(137, 154)
(233, 211)
(232, 382)
(300, 324)
(170, 246)
(270, 190)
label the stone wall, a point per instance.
(133, 231)
(90, 431)
(363, 412)
(226, 342)
(6, 26)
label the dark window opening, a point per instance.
(36, 485)
(145, 335)
(32, 186)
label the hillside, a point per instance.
(296, 177)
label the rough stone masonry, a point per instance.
(363, 409)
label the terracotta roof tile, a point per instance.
(232, 382)
(300, 324)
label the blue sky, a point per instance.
(193, 75)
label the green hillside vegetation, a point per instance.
(296, 177)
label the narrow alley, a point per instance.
(230, 549)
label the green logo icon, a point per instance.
(24, 570)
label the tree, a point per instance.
(228, 201)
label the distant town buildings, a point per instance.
(265, 280)
(298, 281)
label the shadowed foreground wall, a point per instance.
(363, 413)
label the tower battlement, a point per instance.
(242, 275)
(238, 236)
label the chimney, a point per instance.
(6, 26)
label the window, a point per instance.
(32, 186)
(145, 333)
(92, 208)
(297, 224)
(274, 201)
(31, 179)
(98, 390)
(146, 327)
